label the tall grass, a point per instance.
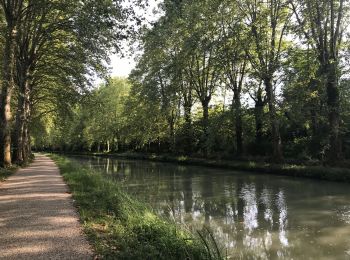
(120, 227)
(211, 245)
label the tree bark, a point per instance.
(187, 90)
(205, 106)
(27, 147)
(6, 94)
(108, 146)
(24, 77)
(171, 124)
(276, 138)
(28, 106)
(335, 151)
(19, 134)
(259, 113)
(116, 143)
(188, 128)
(238, 121)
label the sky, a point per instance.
(121, 67)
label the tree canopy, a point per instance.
(227, 78)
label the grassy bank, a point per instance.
(120, 227)
(306, 171)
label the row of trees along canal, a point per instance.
(282, 63)
(50, 51)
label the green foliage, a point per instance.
(196, 55)
(96, 120)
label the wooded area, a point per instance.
(51, 51)
(216, 78)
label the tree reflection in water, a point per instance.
(249, 214)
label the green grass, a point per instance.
(120, 227)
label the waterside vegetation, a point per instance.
(120, 227)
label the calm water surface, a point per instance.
(252, 216)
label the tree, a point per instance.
(256, 92)
(12, 12)
(51, 33)
(202, 48)
(145, 121)
(234, 63)
(103, 115)
(268, 22)
(301, 83)
(156, 70)
(322, 26)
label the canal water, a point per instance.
(252, 216)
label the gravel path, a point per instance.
(37, 217)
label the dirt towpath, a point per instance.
(37, 216)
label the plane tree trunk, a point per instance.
(8, 86)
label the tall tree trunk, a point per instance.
(20, 121)
(187, 114)
(187, 106)
(116, 142)
(238, 121)
(188, 127)
(335, 152)
(23, 113)
(314, 86)
(27, 146)
(276, 138)
(108, 146)
(6, 94)
(259, 113)
(171, 123)
(205, 106)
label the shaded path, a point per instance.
(37, 217)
